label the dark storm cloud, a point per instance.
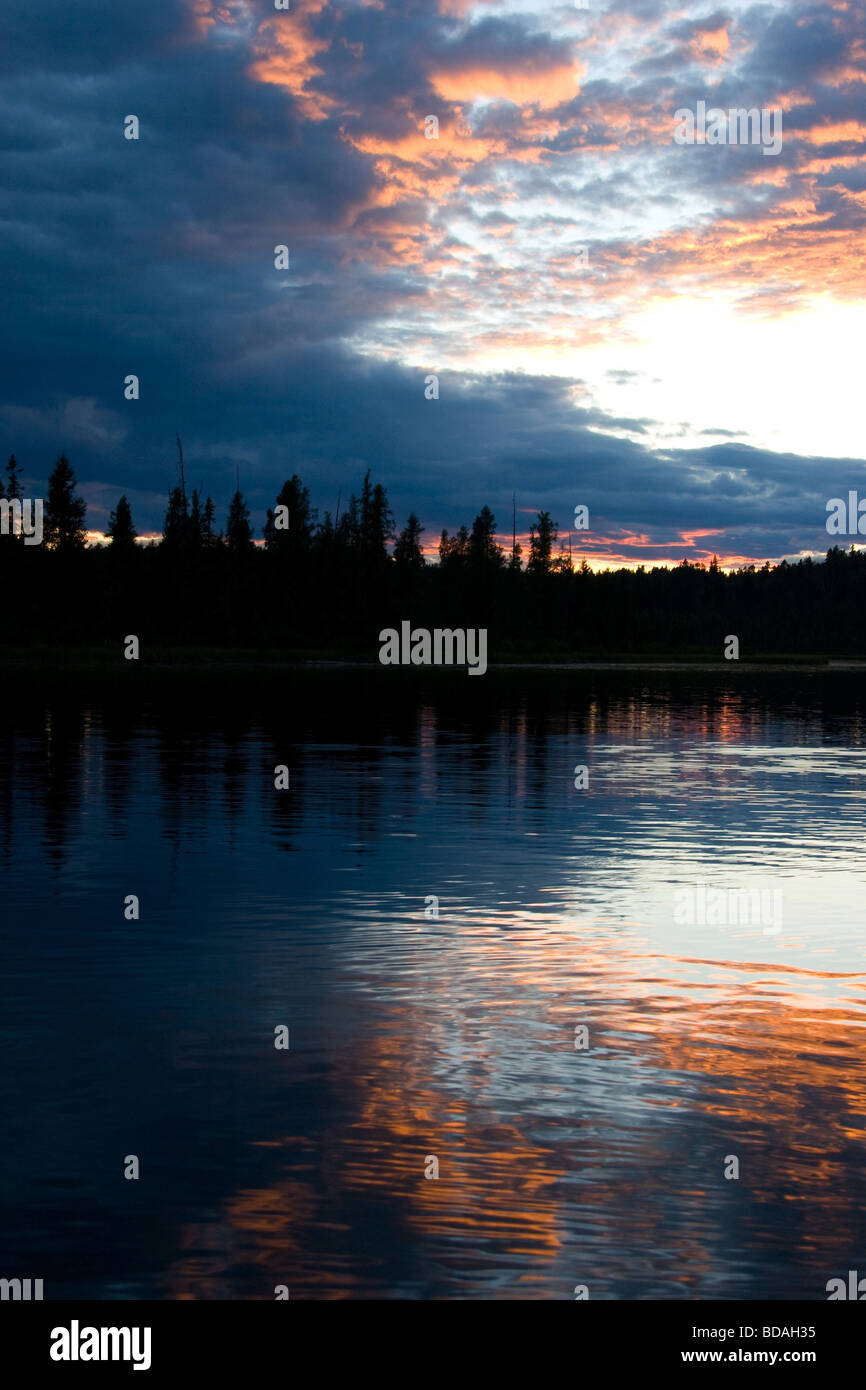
(500, 43)
(88, 36)
(330, 417)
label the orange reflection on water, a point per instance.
(556, 1164)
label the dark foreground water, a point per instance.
(415, 1037)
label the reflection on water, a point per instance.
(452, 1036)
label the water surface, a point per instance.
(414, 1036)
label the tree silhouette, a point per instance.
(454, 550)
(121, 529)
(12, 488)
(292, 541)
(332, 586)
(542, 538)
(349, 528)
(483, 550)
(377, 524)
(368, 524)
(196, 520)
(407, 549)
(239, 533)
(64, 512)
(209, 536)
(176, 527)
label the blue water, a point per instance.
(416, 1036)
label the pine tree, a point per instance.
(239, 533)
(349, 529)
(175, 530)
(196, 520)
(209, 536)
(542, 538)
(407, 550)
(121, 529)
(377, 521)
(483, 550)
(295, 539)
(12, 489)
(324, 539)
(64, 512)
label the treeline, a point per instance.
(329, 584)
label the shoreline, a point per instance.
(82, 661)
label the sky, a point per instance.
(669, 334)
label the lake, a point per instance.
(541, 1036)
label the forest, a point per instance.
(325, 586)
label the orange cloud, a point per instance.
(454, 142)
(458, 8)
(208, 13)
(287, 58)
(545, 87)
(710, 47)
(833, 132)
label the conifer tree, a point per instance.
(295, 538)
(12, 488)
(407, 549)
(542, 538)
(64, 512)
(121, 529)
(483, 550)
(175, 531)
(239, 533)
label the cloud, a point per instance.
(408, 254)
